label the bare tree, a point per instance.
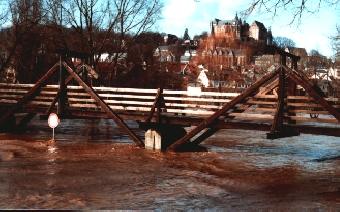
(103, 25)
(314, 52)
(296, 7)
(4, 13)
(21, 39)
(284, 42)
(336, 44)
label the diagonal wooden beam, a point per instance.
(154, 105)
(209, 132)
(34, 91)
(104, 106)
(299, 79)
(207, 122)
(269, 87)
(160, 105)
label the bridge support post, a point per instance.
(162, 136)
(62, 89)
(153, 140)
(278, 129)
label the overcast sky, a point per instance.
(313, 32)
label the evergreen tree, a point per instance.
(186, 35)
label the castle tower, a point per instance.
(238, 24)
(269, 37)
(212, 29)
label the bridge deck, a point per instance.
(180, 106)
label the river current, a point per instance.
(94, 165)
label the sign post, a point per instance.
(53, 122)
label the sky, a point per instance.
(313, 31)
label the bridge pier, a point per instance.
(159, 137)
(284, 132)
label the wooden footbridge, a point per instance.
(164, 113)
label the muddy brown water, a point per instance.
(93, 165)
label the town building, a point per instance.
(223, 56)
(236, 29)
(302, 53)
(266, 60)
(164, 54)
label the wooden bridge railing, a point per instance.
(260, 108)
(120, 99)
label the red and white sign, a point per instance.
(53, 120)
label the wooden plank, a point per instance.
(17, 97)
(104, 106)
(305, 105)
(26, 91)
(48, 92)
(311, 111)
(131, 90)
(252, 116)
(207, 122)
(107, 96)
(261, 109)
(318, 120)
(193, 99)
(254, 102)
(220, 94)
(16, 91)
(39, 103)
(16, 85)
(43, 98)
(298, 98)
(258, 96)
(9, 101)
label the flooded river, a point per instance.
(93, 165)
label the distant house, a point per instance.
(302, 53)
(224, 56)
(109, 58)
(164, 54)
(258, 31)
(188, 56)
(266, 60)
(318, 62)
